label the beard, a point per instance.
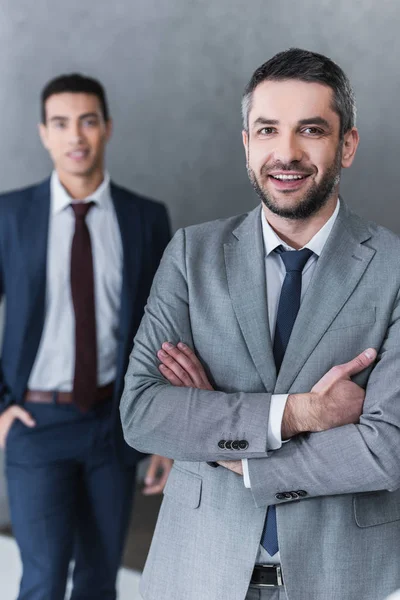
(316, 197)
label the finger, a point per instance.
(151, 472)
(188, 352)
(151, 490)
(157, 484)
(170, 376)
(23, 415)
(346, 370)
(185, 362)
(233, 465)
(170, 362)
(359, 363)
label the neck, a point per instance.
(83, 186)
(297, 233)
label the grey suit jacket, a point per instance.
(340, 538)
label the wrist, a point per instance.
(298, 415)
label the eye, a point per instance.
(89, 122)
(59, 124)
(266, 131)
(314, 131)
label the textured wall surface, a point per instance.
(175, 70)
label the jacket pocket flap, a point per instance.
(184, 487)
(351, 318)
(376, 508)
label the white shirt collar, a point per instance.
(316, 244)
(60, 198)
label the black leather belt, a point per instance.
(267, 576)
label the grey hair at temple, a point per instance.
(312, 68)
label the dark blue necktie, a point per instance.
(289, 304)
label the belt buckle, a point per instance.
(279, 581)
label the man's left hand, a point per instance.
(157, 475)
(181, 367)
(232, 465)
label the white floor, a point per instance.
(10, 570)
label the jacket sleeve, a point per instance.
(161, 236)
(5, 396)
(364, 457)
(183, 423)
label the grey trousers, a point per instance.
(259, 593)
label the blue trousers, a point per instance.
(69, 499)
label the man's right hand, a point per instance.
(334, 401)
(8, 417)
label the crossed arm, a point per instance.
(337, 445)
(334, 401)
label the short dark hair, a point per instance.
(77, 84)
(310, 67)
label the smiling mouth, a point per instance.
(78, 154)
(282, 177)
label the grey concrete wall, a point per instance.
(175, 71)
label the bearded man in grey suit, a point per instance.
(276, 304)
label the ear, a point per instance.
(245, 139)
(350, 144)
(43, 133)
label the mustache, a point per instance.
(279, 166)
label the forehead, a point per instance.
(291, 101)
(70, 104)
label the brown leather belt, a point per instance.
(40, 396)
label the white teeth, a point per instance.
(288, 177)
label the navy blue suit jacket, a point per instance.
(24, 218)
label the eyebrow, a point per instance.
(308, 121)
(263, 121)
(84, 116)
(315, 121)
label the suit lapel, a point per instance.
(129, 221)
(339, 269)
(245, 269)
(33, 238)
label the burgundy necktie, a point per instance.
(82, 291)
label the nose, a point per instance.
(288, 148)
(75, 134)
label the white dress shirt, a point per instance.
(54, 366)
(275, 274)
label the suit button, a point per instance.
(235, 445)
(221, 444)
(287, 495)
(228, 445)
(280, 496)
(243, 444)
(301, 493)
(294, 495)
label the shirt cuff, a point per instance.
(277, 408)
(246, 476)
(278, 403)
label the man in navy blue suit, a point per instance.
(77, 258)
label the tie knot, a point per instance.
(81, 209)
(294, 260)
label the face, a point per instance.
(75, 133)
(293, 147)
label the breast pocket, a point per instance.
(184, 487)
(354, 318)
(376, 508)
